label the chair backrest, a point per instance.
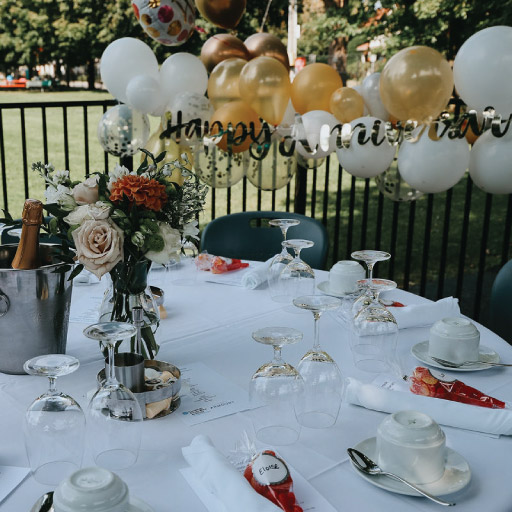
(247, 235)
(7, 238)
(501, 303)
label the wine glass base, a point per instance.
(52, 473)
(277, 435)
(316, 419)
(116, 459)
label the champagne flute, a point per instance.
(114, 415)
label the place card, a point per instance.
(210, 395)
(10, 478)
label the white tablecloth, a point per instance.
(212, 323)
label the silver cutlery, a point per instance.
(44, 503)
(368, 466)
(450, 364)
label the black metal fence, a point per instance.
(451, 243)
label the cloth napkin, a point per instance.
(452, 414)
(420, 315)
(222, 479)
(256, 276)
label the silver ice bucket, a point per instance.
(34, 309)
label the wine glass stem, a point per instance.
(52, 389)
(316, 332)
(111, 377)
(284, 230)
(277, 354)
(370, 269)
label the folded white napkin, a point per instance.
(256, 275)
(222, 479)
(445, 412)
(419, 315)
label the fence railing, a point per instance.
(451, 243)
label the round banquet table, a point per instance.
(212, 323)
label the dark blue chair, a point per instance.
(248, 236)
(501, 303)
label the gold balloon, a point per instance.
(346, 104)
(223, 82)
(223, 13)
(221, 47)
(156, 145)
(416, 84)
(240, 115)
(265, 86)
(313, 86)
(267, 45)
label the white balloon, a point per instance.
(432, 166)
(366, 160)
(143, 93)
(482, 70)
(316, 129)
(370, 90)
(192, 106)
(359, 89)
(490, 163)
(183, 72)
(124, 59)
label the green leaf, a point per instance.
(160, 157)
(76, 271)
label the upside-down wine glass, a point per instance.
(278, 388)
(297, 278)
(114, 415)
(279, 261)
(322, 378)
(372, 288)
(54, 424)
(370, 257)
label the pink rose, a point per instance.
(99, 245)
(87, 191)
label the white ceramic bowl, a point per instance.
(413, 446)
(92, 489)
(344, 275)
(454, 339)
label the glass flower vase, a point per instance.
(129, 290)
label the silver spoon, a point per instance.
(44, 503)
(366, 465)
(450, 364)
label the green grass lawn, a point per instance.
(223, 200)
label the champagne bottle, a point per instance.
(27, 255)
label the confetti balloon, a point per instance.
(170, 22)
(122, 131)
(219, 169)
(392, 186)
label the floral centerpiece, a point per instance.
(119, 223)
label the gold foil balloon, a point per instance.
(221, 47)
(273, 172)
(265, 86)
(416, 84)
(223, 82)
(223, 13)
(267, 45)
(157, 145)
(240, 116)
(346, 104)
(219, 169)
(313, 86)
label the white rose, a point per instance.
(77, 216)
(87, 191)
(60, 195)
(97, 211)
(99, 245)
(172, 244)
(118, 172)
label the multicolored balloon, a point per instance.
(170, 22)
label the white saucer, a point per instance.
(456, 475)
(420, 352)
(324, 288)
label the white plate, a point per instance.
(456, 475)
(324, 288)
(420, 352)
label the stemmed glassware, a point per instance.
(114, 415)
(372, 288)
(54, 424)
(297, 277)
(322, 377)
(370, 257)
(279, 388)
(279, 261)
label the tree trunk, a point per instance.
(338, 57)
(91, 74)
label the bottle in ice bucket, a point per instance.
(27, 256)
